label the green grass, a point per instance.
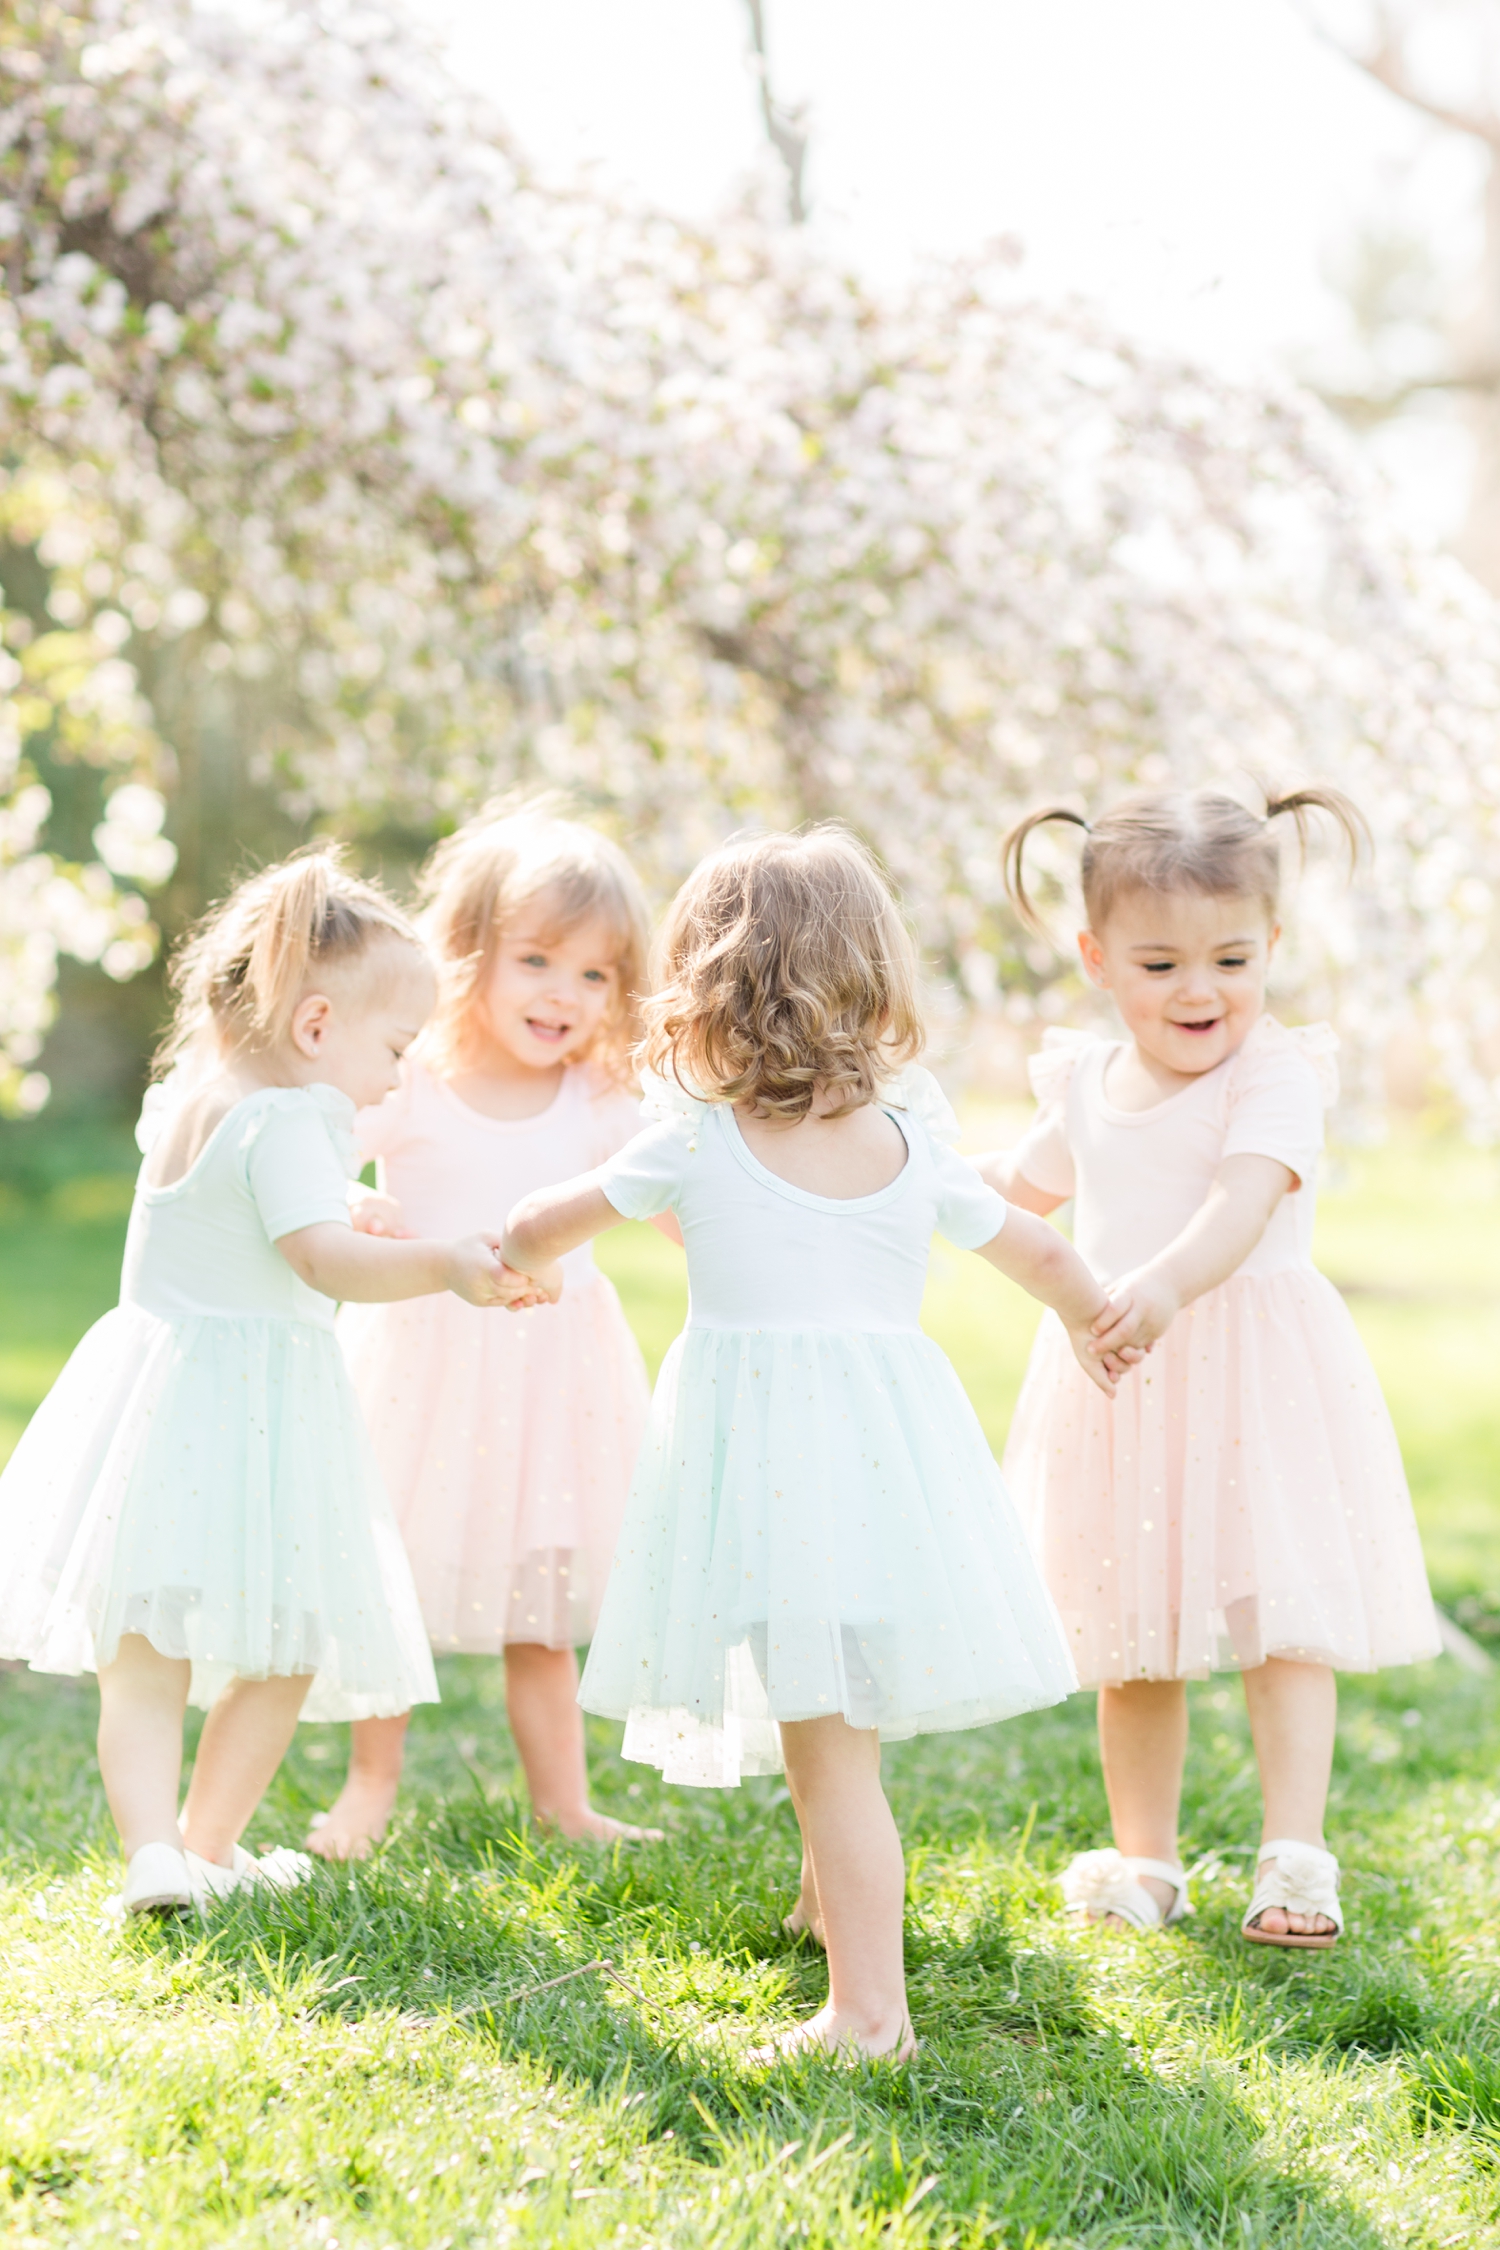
(360, 2064)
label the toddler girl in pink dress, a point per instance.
(507, 1453)
(1241, 1502)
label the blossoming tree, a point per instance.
(446, 479)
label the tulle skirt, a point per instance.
(208, 1483)
(817, 1526)
(1243, 1497)
(506, 1441)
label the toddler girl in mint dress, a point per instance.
(194, 1511)
(818, 1552)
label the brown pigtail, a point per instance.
(1343, 811)
(1012, 857)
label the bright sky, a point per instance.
(1189, 163)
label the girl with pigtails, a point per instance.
(194, 1512)
(1241, 1502)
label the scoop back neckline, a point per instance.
(148, 1189)
(840, 1203)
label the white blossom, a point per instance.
(449, 477)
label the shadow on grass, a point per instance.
(1025, 2105)
(1106, 2092)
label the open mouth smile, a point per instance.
(552, 1033)
(1200, 1024)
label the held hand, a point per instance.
(373, 1213)
(476, 1273)
(543, 1286)
(1105, 1371)
(1141, 1308)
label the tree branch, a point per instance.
(1386, 62)
(784, 126)
(1369, 408)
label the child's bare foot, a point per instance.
(590, 1827)
(355, 1822)
(805, 1916)
(830, 2033)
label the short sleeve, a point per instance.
(380, 1128)
(969, 1214)
(646, 1176)
(1043, 1155)
(295, 1165)
(1277, 1097)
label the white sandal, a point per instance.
(1301, 1879)
(1106, 1882)
(282, 1869)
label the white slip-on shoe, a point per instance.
(1098, 1884)
(157, 1881)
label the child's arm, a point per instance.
(1217, 1239)
(358, 1269)
(544, 1226)
(999, 1171)
(1049, 1268)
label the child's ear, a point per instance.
(1093, 959)
(1272, 936)
(312, 1020)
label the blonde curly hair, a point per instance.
(784, 970)
(521, 852)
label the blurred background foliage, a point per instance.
(354, 473)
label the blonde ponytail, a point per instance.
(242, 971)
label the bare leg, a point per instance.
(1293, 1712)
(833, 1773)
(806, 1914)
(541, 1696)
(1143, 1732)
(244, 1740)
(361, 1812)
(142, 1698)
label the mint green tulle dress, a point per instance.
(816, 1525)
(200, 1472)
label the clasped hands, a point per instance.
(374, 1213)
(1141, 1307)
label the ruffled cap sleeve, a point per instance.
(917, 1092)
(155, 1110)
(1044, 1156)
(666, 1101)
(1051, 1070)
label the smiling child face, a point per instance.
(1187, 972)
(549, 990)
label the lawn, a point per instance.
(386, 2059)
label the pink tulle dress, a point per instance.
(506, 1440)
(1244, 1495)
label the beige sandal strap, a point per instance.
(1299, 1878)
